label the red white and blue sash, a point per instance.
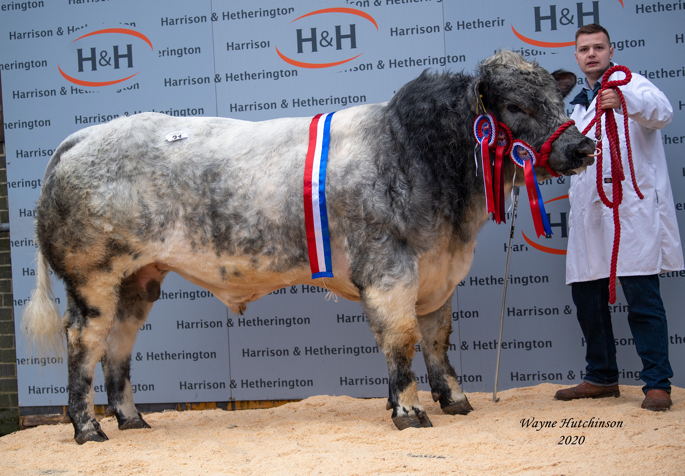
(315, 215)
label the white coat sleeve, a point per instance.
(646, 104)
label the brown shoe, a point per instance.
(657, 400)
(587, 390)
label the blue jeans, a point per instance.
(647, 320)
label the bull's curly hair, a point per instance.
(509, 59)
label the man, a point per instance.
(650, 241)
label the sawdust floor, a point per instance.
(350, 436)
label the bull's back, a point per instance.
(214, 186)
(187, 164)
(162, 145)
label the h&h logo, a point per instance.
(553, 18)
(103, 63)
(324, 39)
(557, 211)
(565, 17)
(331, 42)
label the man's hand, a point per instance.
(608, 99)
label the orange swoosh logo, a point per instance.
(121, 31)
(543, 44)
(560, 197)
(545, 249)
(350, 11)
(302, 64)
(81, 82)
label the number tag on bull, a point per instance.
(174, 136)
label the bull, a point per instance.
(121, 206)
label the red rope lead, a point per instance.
(546, 148)
(617, 174)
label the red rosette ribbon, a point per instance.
(523, 155)
(484, 131)
(502, 148)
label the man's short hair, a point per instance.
(590, 29)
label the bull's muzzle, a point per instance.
(577, 156)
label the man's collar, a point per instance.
(588, 94)
(581, 99)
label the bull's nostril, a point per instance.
(584, 151)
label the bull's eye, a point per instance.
(514, 108)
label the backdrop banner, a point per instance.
(70, 64)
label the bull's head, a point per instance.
(529, 100)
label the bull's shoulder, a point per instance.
(353, 120)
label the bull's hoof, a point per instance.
(133, 423)
(96, 435)
(462, 407)
(418, 420)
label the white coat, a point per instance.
(650, 240)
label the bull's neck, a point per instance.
(431, 124)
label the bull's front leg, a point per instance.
(436, 328)
(391, 312)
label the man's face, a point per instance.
(593, 54)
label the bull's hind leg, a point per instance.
(135, 301)
(436, 328)
(391, 312)
(90, 314)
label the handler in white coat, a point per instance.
(650, 241)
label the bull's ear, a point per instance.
(566, 81)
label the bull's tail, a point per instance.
(41, 321)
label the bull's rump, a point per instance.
(222, 203)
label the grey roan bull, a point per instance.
(121, 207)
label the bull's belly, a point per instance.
(239, 280)
(237, 292)
(437, 283)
